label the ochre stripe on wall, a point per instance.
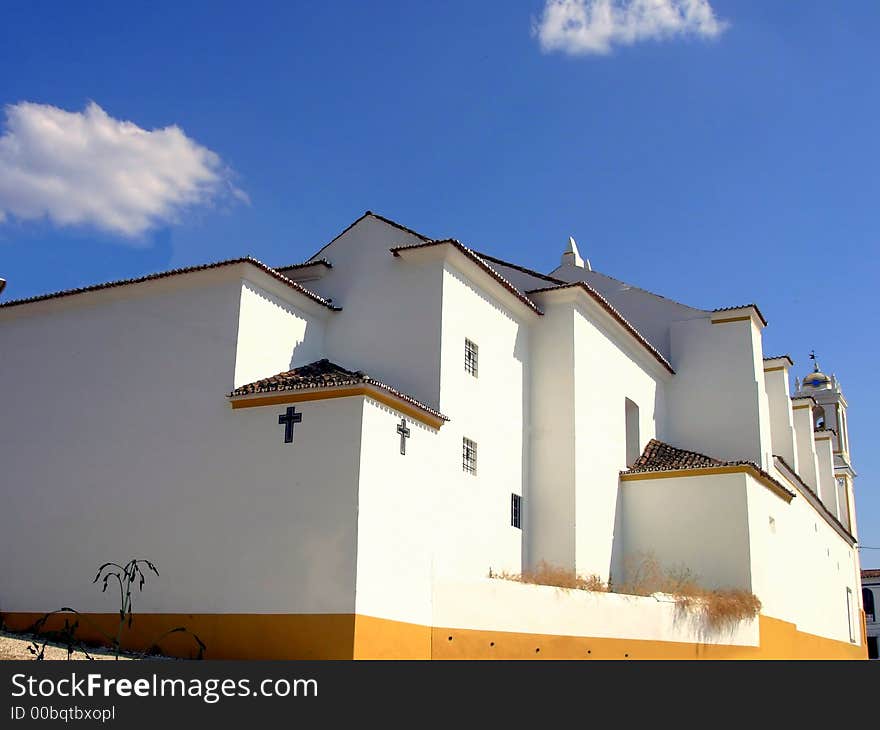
(377, 394)
(350, 636)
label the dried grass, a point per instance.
(718, 609)
(546, 574)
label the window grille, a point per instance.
(469, 456)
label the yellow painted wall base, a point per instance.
(351, 636)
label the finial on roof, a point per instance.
(816, 379)
(572, 256)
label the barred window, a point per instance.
(516, 510)
(469, 456)
(471, 355)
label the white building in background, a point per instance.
(328, 459)
(870, 601)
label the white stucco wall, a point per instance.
(584, 371)
(123, 444)
(606, 375)
(274, 335)
(501, 605)
(405, 511)
(716, 402)
(491, 409)
(825, 463)
(649, 313)
(389, 325)
(800, 566)
(808, 467)
(550, 508)
(698, 523)
(781, 421)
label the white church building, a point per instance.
(329, 459)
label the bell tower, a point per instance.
(829, 421)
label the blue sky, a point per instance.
(726, 160)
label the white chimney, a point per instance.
(572, 256)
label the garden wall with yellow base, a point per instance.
(488, 619)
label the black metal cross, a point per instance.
(287, 420)
(404, 435)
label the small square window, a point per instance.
(469, 456)
(516, 511)
(471, 355)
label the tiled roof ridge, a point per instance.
(780, 357)
(744, 306)
(870, 573)
(311, 375)
(709, 463)
(523, 269)
(612, 310)
(656, 449)
(811, 491)
(305, 264)
(647, 291)
(369, 214)
(473, 256)
(274, 273)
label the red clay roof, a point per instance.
(659, 456)
(176, 272)
(324, 374)
(484, 265)
(608, 307)
(871, 573)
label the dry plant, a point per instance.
(717, 608)
(546, 574)
(720, 609)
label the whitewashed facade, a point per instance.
(129, 430)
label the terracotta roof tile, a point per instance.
(871, 573)
(176, 272)
(659, 456)
(324, 374)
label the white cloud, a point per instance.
(87, 168)
(581, 27)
